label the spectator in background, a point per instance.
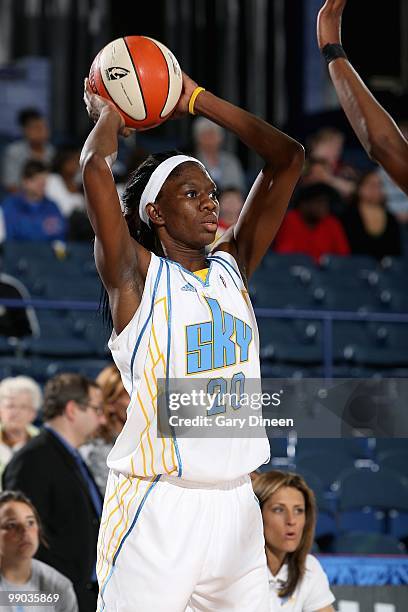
(20, 400)
(63, 185)
(116, 401)
(314, 172)
(297, 582)
(231, 202)
(35, 145)
(396, 199)
(370, 228)
(21, 531)
(325, 148)
(30, 215)
(309, 228)
(52, 473)
(224, 168)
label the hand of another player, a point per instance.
(181, 108)
(329, 22)
(95, 105)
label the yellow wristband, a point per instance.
(193, 98)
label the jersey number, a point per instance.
(219, 387)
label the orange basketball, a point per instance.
(140, 76)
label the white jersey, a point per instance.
(312, 592)
(186, 328)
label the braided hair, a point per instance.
(138, 229)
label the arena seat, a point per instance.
(327, 465)
(269, 296)
(15, 250)
(85, 289)
(357, 448)
(351, 266)
(283, 261)
(295, 371)
(366, 497)
(395, 266)
(279, 448)
(368, 543)
(56, 339)
(358, 299)
(370, 344)
(87, 367)
(284, 342)
(396, 460)
(391, 445)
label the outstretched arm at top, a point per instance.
(374, 127)
(268, 199)
(121, 262)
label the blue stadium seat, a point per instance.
(279, 448)
(82, 289)
(327, 465)
(80, 251)
(396, 460)
(390, 344)
(398, 524)
(282, 341)
(370, 344)
(18, 256)
(366, 497)
(391, 445)
(87, 367)
(296, 371)
(36, 367)
(368, 544)
(348, 337)
(358, 299)
(394, 266)
(57, 338)
(380, 488)
(270, 296)
(353, 265)
(281, 261)
(358, 448)
(393, 299)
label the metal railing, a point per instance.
(326, 316)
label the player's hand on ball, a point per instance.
(95, 105)
(182, 105)
(329, 22)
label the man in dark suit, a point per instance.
(50, 471)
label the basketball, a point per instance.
(141, 77)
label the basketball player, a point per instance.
(374, 127)
(181, 529)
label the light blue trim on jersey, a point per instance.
(142, 331)
(222, 262)
(221, 259)
(204, 283)
(156, 480)
(180, 467)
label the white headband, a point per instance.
(157, 179)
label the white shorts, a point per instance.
(166, 545)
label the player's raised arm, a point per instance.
(374, 127)
(122, 263)
(268, 199)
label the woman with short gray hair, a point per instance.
(20, 400)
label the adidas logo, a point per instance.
(188, 287)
